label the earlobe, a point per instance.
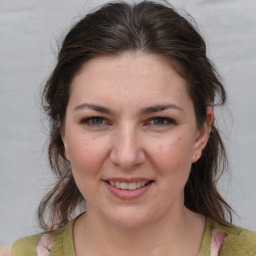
(63, 138)
(203, 135)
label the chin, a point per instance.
(129, 218)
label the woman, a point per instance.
(133, 135)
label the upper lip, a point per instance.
(128, 180)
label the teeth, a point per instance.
(128, 185)
(117, 184)
(138, 184)
(124, 185)
(132, 186)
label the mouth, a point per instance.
(129, 189)
(128, 185)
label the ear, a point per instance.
(203, 135)
(64, 141)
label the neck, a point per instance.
(170, 235)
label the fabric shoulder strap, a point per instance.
(25, 246)
(57, 243)
(240, 242)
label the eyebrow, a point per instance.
(97, 108)
(143, 111)
(158, 108)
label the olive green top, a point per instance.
(236, 242)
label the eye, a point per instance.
(161, 121)
(94, 121)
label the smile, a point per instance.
(128, 185)
(126, 189)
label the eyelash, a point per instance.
(90, 121)
(166, 121)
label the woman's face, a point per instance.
(130, 134)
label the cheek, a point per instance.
(172, 155)
(86, 155)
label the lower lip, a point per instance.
(126, 194)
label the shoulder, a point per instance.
(39, 244)
(238, 241)
(45, 243)
(26, 245)
(5, 250)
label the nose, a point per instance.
(127, 151)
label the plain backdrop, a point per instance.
(29, 32)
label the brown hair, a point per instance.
(155, 29)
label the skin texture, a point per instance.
(133, 139)
(5, 250)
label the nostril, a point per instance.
(126, 157)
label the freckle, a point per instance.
(179, 138)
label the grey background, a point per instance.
(28, 33)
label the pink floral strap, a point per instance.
(44, 245)
(216, 241)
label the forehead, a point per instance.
(135, 64)
(130, 77)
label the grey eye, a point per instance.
(96, 120)
(161, 121)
